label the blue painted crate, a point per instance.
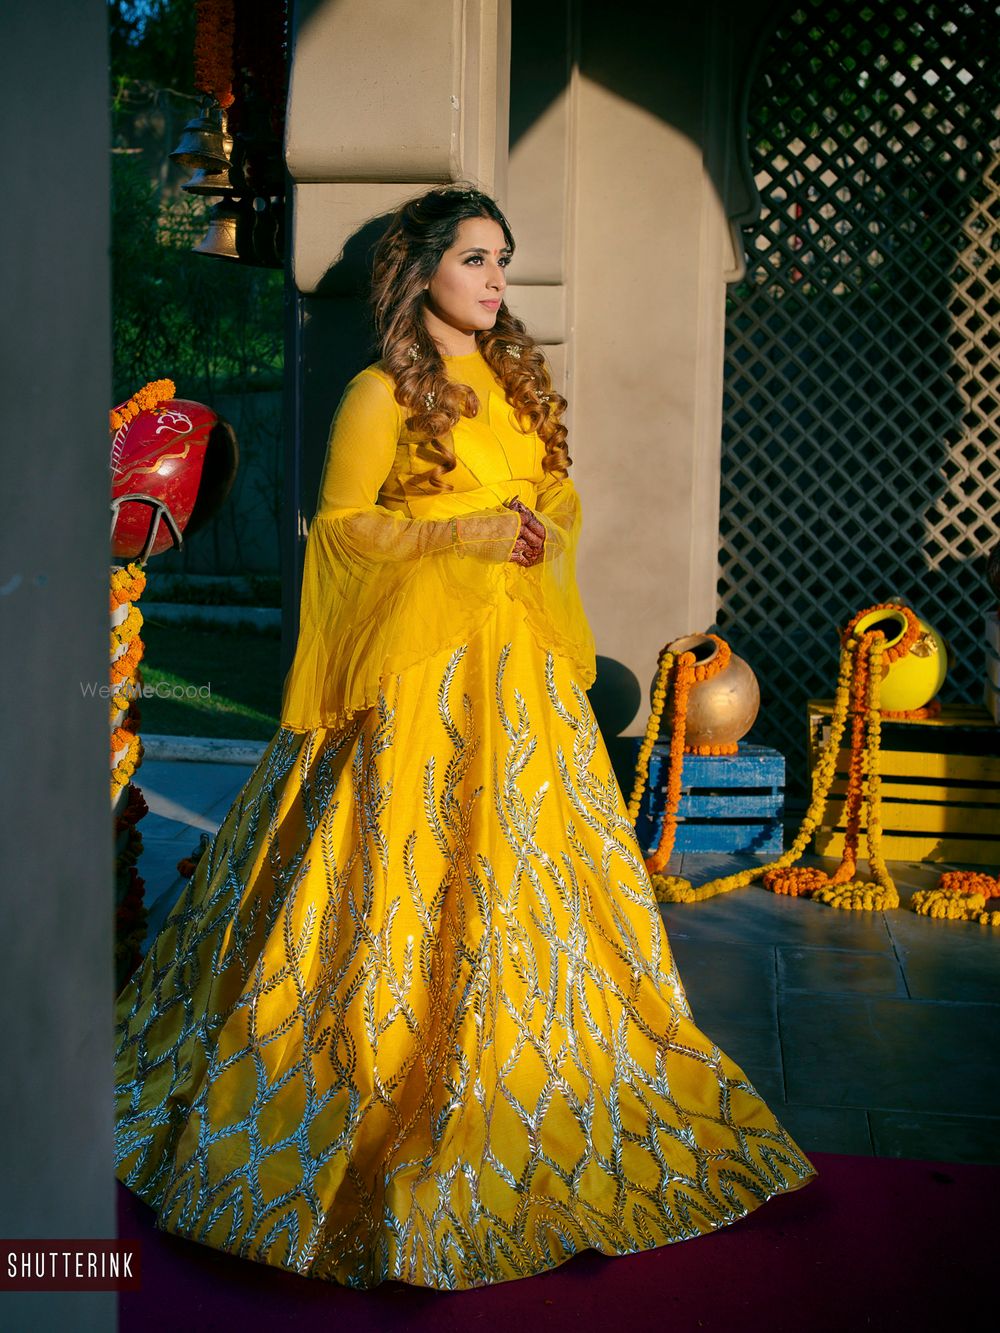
(729, 803)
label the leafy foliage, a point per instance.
(212, 325)
(152, 41)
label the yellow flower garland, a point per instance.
(127, 630)
(128, 584)
(960, 895)
(124, 770)
(782, 875)
(857, 894)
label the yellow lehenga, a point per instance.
(415, 1016)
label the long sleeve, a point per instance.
(549, 590)
(382, 591)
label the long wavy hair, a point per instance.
(406, 258)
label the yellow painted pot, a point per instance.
(913, 680)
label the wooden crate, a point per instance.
(940, 787)
(729, 803)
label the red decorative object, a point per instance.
(171, 469)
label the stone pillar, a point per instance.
(57, 979)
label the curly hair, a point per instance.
(406, 258)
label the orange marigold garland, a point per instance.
(857, 694)
(684, 678)
(213, 49)
(149, 398)
(933, 709)
(961, 895)
(843, 890)
(126, 585)
(676, 675)
(910, 635)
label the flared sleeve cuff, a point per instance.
(548, 590)
(381, 592)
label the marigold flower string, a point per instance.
(149, 398)
(683, 679)
(960, 895)
(859, 680)
(213, 51)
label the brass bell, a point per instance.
(220, 239)
(209, 182)
(205, 142)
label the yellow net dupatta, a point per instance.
(381, 592)
(549, 590)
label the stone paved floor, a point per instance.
(872, 1033)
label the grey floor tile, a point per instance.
(889, 1054)
(756, 916)
(827, 1128)
(910, 875)
(939, 1138)
(947, 960)
(186, 792)
(738, 979)
(839, 971)
(971, 979)
(732, 993)
(159, 909)
(909, 930)
(158, 863)
(769, 1083)
(755, 1049)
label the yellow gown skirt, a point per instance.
(416, 1017)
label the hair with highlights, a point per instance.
(406, 258)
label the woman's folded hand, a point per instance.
(530, 544)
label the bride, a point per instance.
(416, 1016)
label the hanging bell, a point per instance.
(205, 142)
(220, 239)
(209, 182)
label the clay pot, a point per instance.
(722, 709)
(914, 679)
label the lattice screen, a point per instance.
(862, 403)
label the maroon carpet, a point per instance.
(874, 1243)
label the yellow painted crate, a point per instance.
(940, 787)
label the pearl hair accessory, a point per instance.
(429, 400)
(513, 350)
(413, 352)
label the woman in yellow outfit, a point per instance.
(415, 1016)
